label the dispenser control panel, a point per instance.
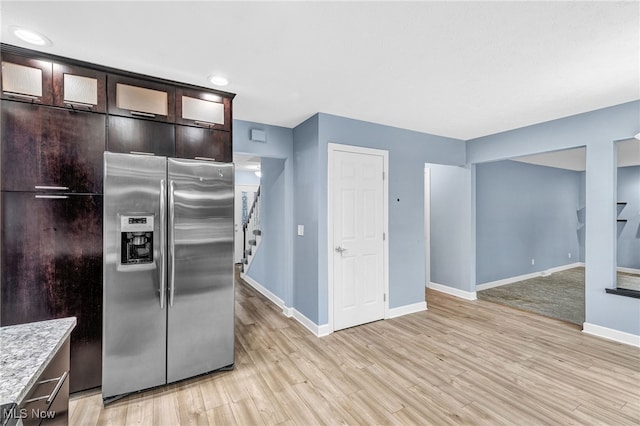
(136, 239)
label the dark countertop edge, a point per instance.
(624, 292)
(69, 328)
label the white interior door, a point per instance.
(358, 213)
(244, 195)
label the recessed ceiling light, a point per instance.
(218, 80)
(31, 37)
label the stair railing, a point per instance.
(251, 224)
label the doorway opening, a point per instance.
(530, 233)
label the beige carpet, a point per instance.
(559, 295)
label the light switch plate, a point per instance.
(301, 230)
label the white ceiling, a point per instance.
(457, 69)
(628, 154)
(246, 163)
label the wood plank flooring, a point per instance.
(460, 362)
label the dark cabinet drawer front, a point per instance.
(48, 400)
(43, 146)
(195, 142)
(130, 135)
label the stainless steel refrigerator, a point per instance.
(168, 271)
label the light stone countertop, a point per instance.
(25, 351)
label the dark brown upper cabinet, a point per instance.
(203, 109)
(79, 88)
(131, 136)
(132, 97)
(203, 144)
(26, 79)
(51, 149)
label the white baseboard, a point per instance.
(628, 270)
(611, 334)
(266, 293)
(318, 330)
(287, 311)
(518, 278)
(407, 309)
(467, 295)
(324, 330)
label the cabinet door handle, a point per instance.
(142, 114)
(141, 153)
(52, 197)
(163, 269)
(53, 394)
(78, 105)
(204, 123)
(23, 97)
(172, 241)
(55, 188)
(204, 158)
(55, 391)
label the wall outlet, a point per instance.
(569, 255)
(533, 261)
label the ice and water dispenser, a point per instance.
(136, 239)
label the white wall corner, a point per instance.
(287, 311)
(324, 330)
(467, 295)
(611, 334)
(317, 330)
(407, 309)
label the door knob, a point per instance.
(340, 249)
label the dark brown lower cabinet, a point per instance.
(51, 260)
(192, 142)
(43, 406)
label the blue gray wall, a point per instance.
(306, 194)
(629, 232)
(525, 212)
(305, 151)
(269, 264)
(408, 152)
(277, 159)
(597, 130)
(450, 244)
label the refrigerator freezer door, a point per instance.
(134, 320)
(200, 317)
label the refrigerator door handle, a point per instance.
(163, 227)
(172, 241)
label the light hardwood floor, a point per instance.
(460, 362)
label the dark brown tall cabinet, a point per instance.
(51, 256)
(58, 116)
